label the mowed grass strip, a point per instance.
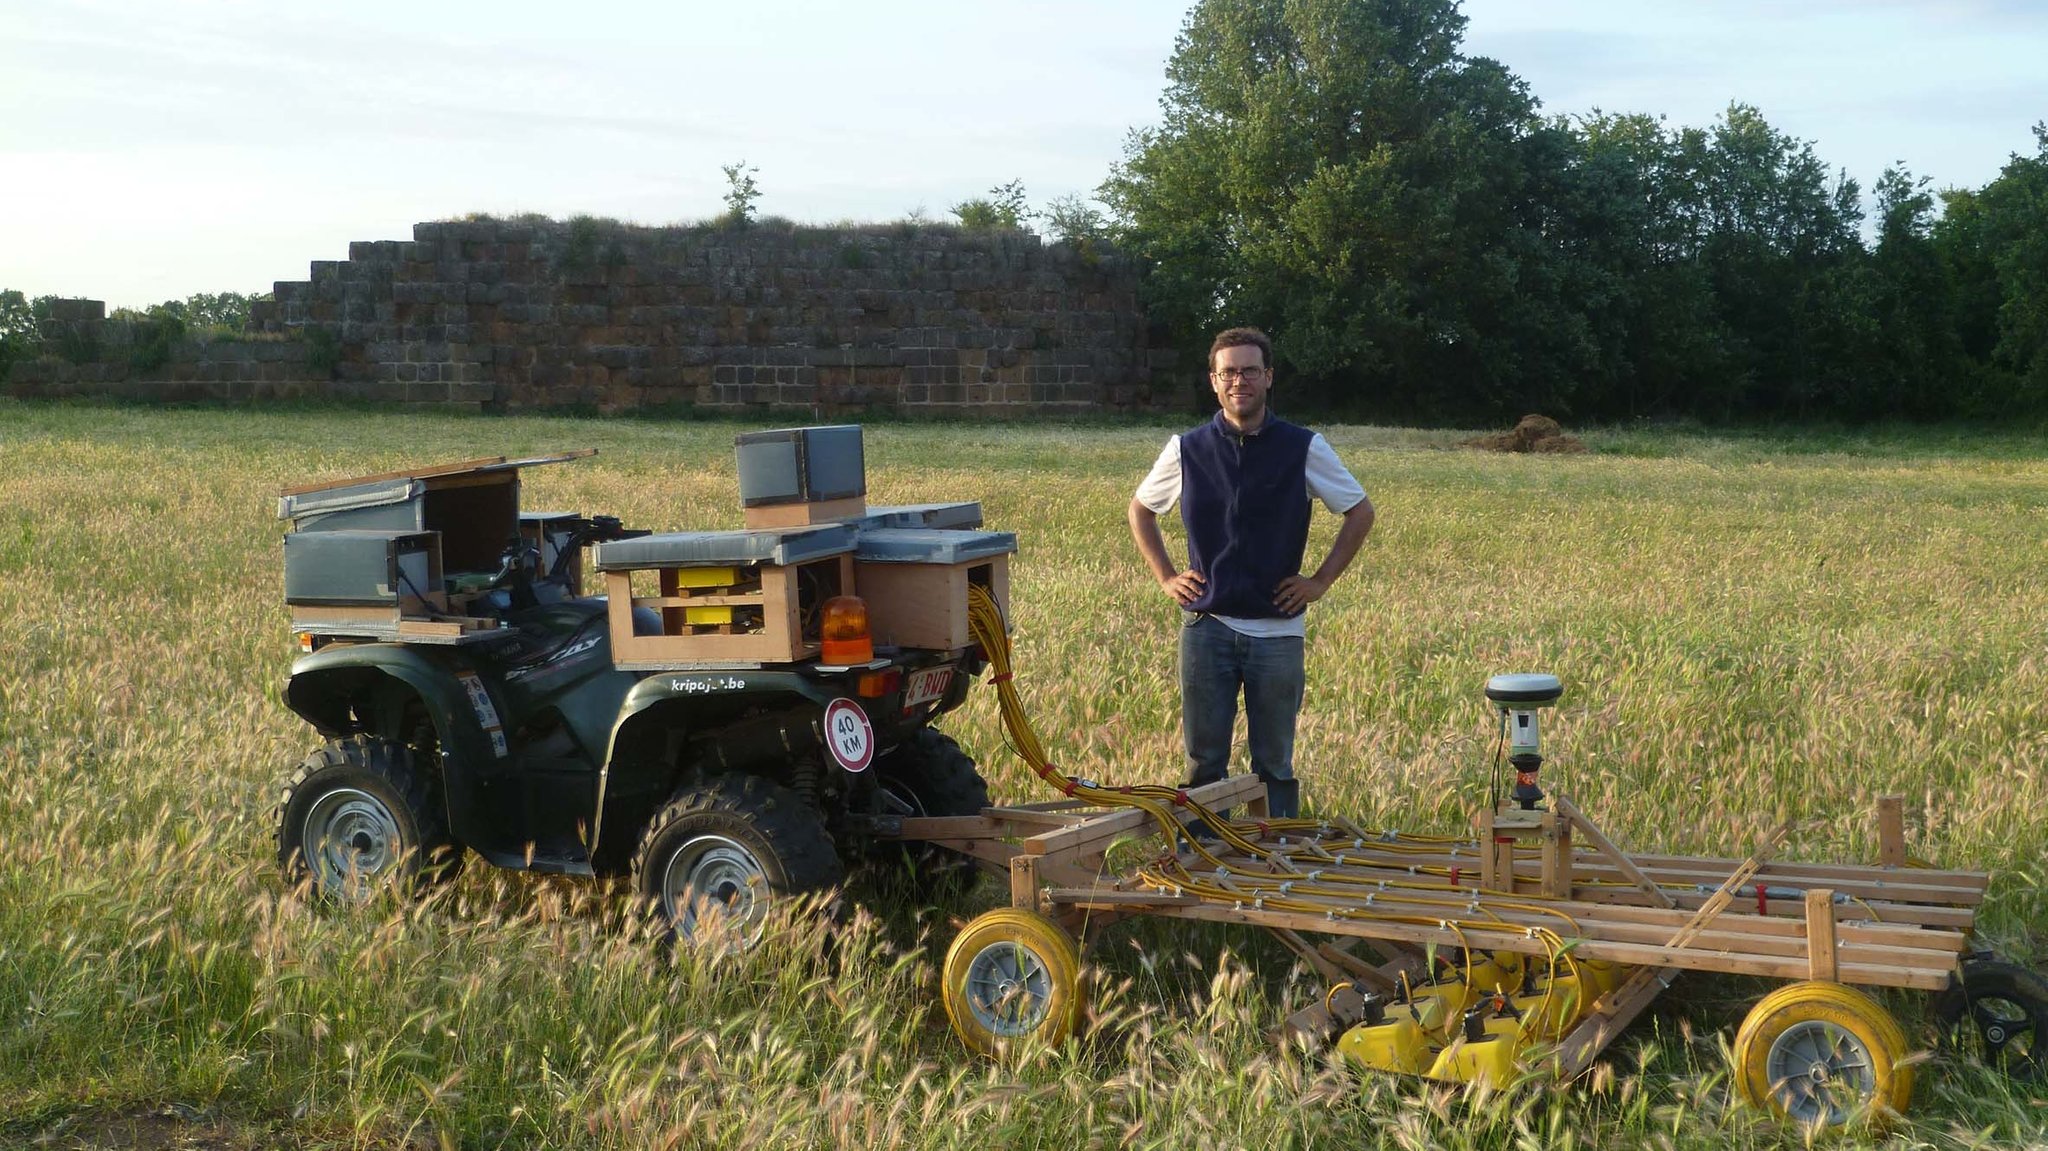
(1746, 625)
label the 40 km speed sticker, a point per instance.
(849, 734)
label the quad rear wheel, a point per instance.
(928, 774)
(724, 851)
(358, 817)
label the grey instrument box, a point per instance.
(361, 567)
(801, 465)
(785, 547)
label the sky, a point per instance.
(151, 149)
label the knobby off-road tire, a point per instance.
(358, 817)
(1998, 1011)
(929, 774)
(719, 856)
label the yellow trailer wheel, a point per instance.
(1814, 1052)
(1012, 975)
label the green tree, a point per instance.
(1992, 242)
(2015, 231)
(740, 193)
(1335, 171)
(1003, 207)
(18, 336)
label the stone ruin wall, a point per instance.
(506, 315)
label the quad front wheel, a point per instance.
(357, 817)
(1012, 975)
(1818, 1052)
(724, 850)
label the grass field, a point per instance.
(1745, 624)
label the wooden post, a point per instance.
(1557, 856)
(1891, 831)
(1024, 882)
(1489, 861)
(1820, 936)
(1255, 807)
(1502, 849)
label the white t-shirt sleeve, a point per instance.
(1160, 489)
(1328, 479)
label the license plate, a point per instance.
(925, 686)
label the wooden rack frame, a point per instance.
(782, 638)
(1885, 925)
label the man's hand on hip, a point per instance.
(1185, 588)
(1297, 592)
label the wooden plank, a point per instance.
(1018, 819)
(1932, 884)
(804, 514)
(1366, 864)
(1517, 940)
(1881, 934)
(1309, 954)
(1897, 914)
(992, 854)
(1109, 898)
(1611, 1017)
(1358, 969)
(1315, 1023)
(1099, 832)
(1606, 847)
(1733, 934)
(1891, 831)
(1050, 805)
(431, 471)
(1896, 887)
(1825, 872)
(950, 827)
(400, 474)
(740, 599)
(382, 615)
(1820, 935)
(1872, 884)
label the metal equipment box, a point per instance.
(790, 477)
(398, 568)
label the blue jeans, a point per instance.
(1215, 663)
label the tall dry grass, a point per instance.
(1744, 625)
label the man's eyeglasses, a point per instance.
(1232, 375)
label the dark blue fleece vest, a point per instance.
(1244, 500)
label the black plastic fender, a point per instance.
(467, 719)
(668, 689)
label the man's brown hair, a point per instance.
(1239, 337)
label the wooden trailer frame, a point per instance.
(1888, 924)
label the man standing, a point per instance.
(1244, 481)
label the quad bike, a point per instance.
(730, 725)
